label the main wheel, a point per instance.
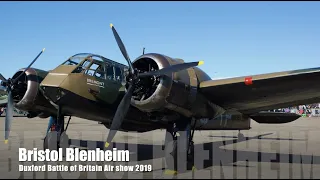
(64, 140)
(51, 141)
(241, 137)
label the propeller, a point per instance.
(132, 78)
(8, 83)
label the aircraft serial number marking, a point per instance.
(95, 83)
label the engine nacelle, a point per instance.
(26, 94)
(174, 91)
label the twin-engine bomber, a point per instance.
(152, 92)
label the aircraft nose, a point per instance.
(54, 94)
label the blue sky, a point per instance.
(233, 38)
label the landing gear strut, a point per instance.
(190, 158)
(179, 146)
(56, 133)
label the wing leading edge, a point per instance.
(266, 92)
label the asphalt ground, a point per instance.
(267, 151)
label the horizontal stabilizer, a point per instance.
(274, 117)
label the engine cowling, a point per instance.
(26, 94)
(175, 91)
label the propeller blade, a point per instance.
(171, 69)
(14, 81)
(120, 114)
(122, 47)
(9, 117)
(2, 78)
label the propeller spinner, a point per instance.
(133, 77)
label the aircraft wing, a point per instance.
(252, 94)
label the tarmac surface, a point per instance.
(267, 151)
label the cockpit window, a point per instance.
(109, 71)
(82, 67)
(117, 74)
(97, 58)
(74, 61)
(85, 63)
(96, 70)
(96, 66)
(100, 73)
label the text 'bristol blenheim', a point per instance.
(73, 154)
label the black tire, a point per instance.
(241, 137)
(64, 140)
(51, 141)
(64, 143)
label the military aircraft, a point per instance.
(152, 92)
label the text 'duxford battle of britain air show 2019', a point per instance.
(159, 90)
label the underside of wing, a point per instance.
(251, 94)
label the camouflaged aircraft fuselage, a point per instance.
(91, 86)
